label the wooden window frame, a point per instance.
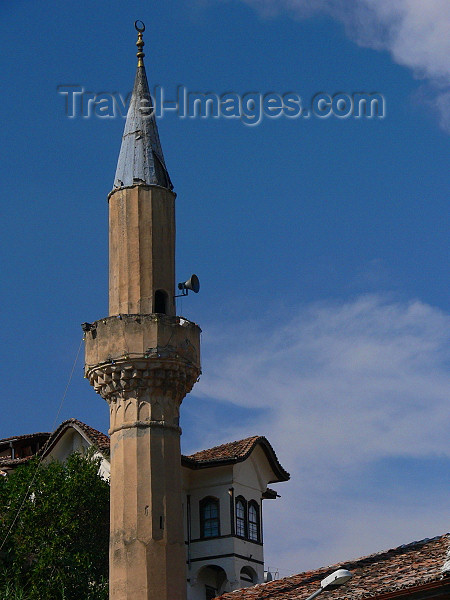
(243, 501)
(203, 504)
(257, 522)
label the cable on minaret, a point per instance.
(140, 28)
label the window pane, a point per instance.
(253, 523)
(210, 519)
(211, 528)
(240, 518)
(210, 511)
(253, 532)
(240, 529)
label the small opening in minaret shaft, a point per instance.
(161, 298)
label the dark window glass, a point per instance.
(253, 522)
(240, 518)
(209, 518)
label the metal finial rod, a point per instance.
(140, 28)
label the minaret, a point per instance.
(143, 360)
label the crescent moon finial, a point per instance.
(140, 28)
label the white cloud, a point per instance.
(442, 104)
(342, 387)
(415, 32)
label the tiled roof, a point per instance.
(97, 438)
(240, 448)
(219, 455)
(101, 440)
(14, 462)
(7, 461)
(27, 436)
(234, 452)
(415, 565)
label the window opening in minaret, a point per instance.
(161, 302)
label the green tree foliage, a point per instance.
(58, 547)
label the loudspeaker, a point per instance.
(192, 284)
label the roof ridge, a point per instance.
(396, 549)
(98, 438)
(82, 424)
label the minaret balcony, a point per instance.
(127, 353)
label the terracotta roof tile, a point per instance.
(235, 452)
(22, 441)
(26, 436)
(100, 439)
(237, 449)
(14, 462)
(409, 566)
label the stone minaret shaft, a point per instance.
(143, 360)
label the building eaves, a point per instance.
(234, 452)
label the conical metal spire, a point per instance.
(141, 160)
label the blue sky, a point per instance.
(321, 244)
